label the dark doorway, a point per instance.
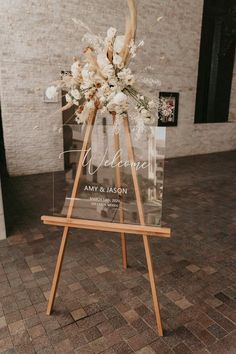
(3, 164)
(216, 61)
(4, 176)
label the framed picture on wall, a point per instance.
(168, 109)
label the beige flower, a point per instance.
(111, 32)
(105, 66)
(119, 103)
(117, 60)
(75, 69)
(76, 94)
(126, 76)
(68, 98)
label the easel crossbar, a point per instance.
(107, 226)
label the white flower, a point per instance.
(145, 114)
(151, 104)
(117, 60)
(120, 98)
(113, 81)
(68, 98)
(51, 92)
(87, 82)
(105, 66)
(102, 99)
(119, 44)
(111, 32)
(111, 96)
(126, 76)
(105, 90)
(75, 69)
(85, 72)
(96, 78)
(119, 103)
(76, 94)
(86, 85)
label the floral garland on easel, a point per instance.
(104, 80)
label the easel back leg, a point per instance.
(142, 222)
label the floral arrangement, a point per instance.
(103, 80)
(166, 109)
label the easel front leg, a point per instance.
(142, 222)
(156, 306)
(57, 271)
(60, 257)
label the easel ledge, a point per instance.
(107, 226)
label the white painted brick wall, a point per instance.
(38, 40)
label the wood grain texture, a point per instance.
(146, 240)
(122, 228)
(60, 257)
(121, 210)
(106, 226)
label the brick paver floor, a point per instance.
(102, 309)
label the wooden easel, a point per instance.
(142, 229)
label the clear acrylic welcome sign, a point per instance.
(98, 195)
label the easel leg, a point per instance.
(121, 211)
(57, 272)
(142, 222)
(124, 250)
(156, 306)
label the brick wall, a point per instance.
(39, 40)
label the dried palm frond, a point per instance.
(91, 59)
(67, 82)
(130, 32)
